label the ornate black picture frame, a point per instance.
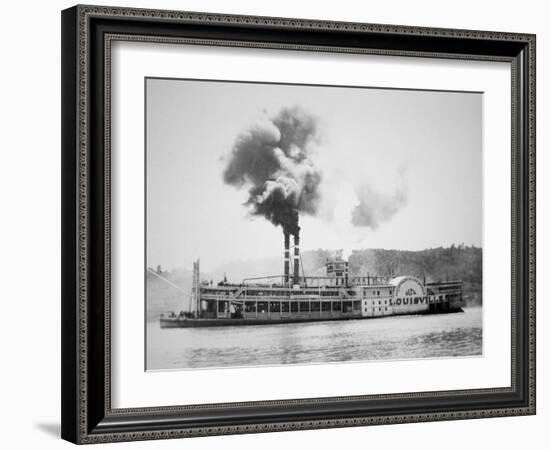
(87, 35)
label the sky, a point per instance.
(414, 157)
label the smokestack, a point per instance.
(297, 258)
(287, 259)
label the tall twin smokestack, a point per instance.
(296, 278)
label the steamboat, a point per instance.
(294, 297)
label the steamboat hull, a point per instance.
(202, 323)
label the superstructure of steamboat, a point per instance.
(294, 297)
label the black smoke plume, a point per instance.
(273, 160)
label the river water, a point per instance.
(400, 337)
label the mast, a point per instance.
(196, 290)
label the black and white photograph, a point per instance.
(308, 224)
